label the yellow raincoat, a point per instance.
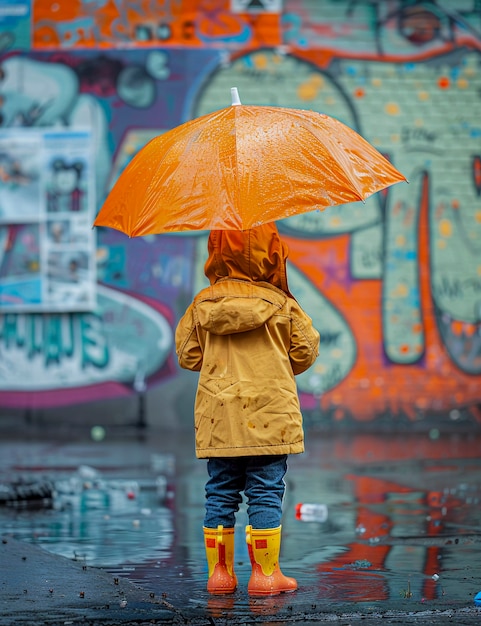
(248, 337)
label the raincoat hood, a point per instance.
(257, 254)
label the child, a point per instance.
(248, 337)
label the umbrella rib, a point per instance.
(237, 108)
(345, 171)
(150, 190)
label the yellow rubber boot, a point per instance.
(219, 549)
(266, 578)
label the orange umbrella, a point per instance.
(241, 167)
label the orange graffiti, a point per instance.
(444, 82)
(191, 23)
(433, 383)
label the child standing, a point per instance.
(248, 337)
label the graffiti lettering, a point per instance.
(370, 258)
(149, 32)
(260, 75)
(417, 134)
(329, 338)
(73, 33)
(54, 340)
(94, 345)
(9, 331)
(56, 337)
(456, 288)
(188, 30)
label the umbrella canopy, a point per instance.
(243, 166)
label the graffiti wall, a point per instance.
(392, 284)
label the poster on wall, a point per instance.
(47, 245)
(15, 24)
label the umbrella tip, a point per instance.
(235, 96)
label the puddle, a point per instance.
(96, 536)
(401, 521)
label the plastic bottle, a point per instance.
(311, 512)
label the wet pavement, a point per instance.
(118, 540)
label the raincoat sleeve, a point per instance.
(304, 347)
(187, 346)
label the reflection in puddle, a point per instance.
(95, 536)
(89, 517)
(401, 522)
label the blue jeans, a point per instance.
(261, 478)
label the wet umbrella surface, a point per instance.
(241, 167)
(399, 524)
